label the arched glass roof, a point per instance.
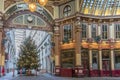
(23, 6)
(101, 7)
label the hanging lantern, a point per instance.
(32, 4)
(26, 1)
(32, 7)
(43, 2)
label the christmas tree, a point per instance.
(29, 55)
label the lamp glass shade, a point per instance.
(43, 2)
(32, 7)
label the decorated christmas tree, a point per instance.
(29, 55)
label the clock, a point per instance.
(29, 18)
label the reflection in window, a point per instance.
(93, 30)
(94, 59)
(84, 30)
(68, 32)
(117, 31)
(117, 59)
(67, 10)
(104, 32)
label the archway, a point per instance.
(19, 17)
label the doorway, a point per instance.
(106, 63)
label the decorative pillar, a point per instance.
(90, 61)
(89, 31)
(78, 63)
(112, 57)
(57, 49)
(112, 61)
(99, 29)
(100, 60)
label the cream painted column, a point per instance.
(111, 31)
(100, 51)
(112, 59)
(78, 43)
(2, 6)
(112, 62)
(99, 30)
(89, 31)
(100, 60)
(57, 51)
(90, 59)
(56, 12)
(77, 3)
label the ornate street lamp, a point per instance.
(33, 4)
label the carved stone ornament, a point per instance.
(56, 28)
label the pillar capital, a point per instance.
(77, 21)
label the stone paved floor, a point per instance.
(47, 77)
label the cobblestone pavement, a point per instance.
(47, 77)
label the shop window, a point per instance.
(84, 30)
(117, 59)
(67, 59)
(67, 33)
(104, 30)
(67, 10)
(117, 31)
(106, 60)
(94, 59)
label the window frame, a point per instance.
(68, 25)
(105, 32)
(116, 31)
(67, 10)
(96, 60)
(84, 30)
(92, 31)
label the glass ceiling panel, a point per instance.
(101, 7)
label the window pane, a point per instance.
(67, 32)
(67, 10)
(104, 32)
(84, 29)
(94, 59)
(117, 31)
(93, 30)
(117, 59)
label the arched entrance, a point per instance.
(19, 17)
